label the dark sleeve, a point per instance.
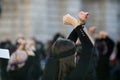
(87, 50)
(83, 37)
(73, 36)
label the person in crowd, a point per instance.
(5, 44)
(38, 48)
(115, 72)
(50, 42)
(85, 68)
(58, 66)
(20, 63)
(60, 63)
(105, 46)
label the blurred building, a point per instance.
(43, 18)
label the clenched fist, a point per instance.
(83, 16)
(69, 20)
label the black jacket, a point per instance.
(85, 68)
(105, 48)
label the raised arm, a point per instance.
(69, 20)
(86, 61)
(83, 37)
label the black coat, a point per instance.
(23, 73)
(85, 68)
(51, 69)
(4, 62)
(105, 48)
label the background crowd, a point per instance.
(42, 19)
(108, 66)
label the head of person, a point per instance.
(64, 50)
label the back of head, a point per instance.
(56, 68)
(17, 60)
(66, 62)
(61, 46)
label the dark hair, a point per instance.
(62, 45)
(66, 64)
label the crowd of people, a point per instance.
(84, 55)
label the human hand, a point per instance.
(83, 16)
(69, 20)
